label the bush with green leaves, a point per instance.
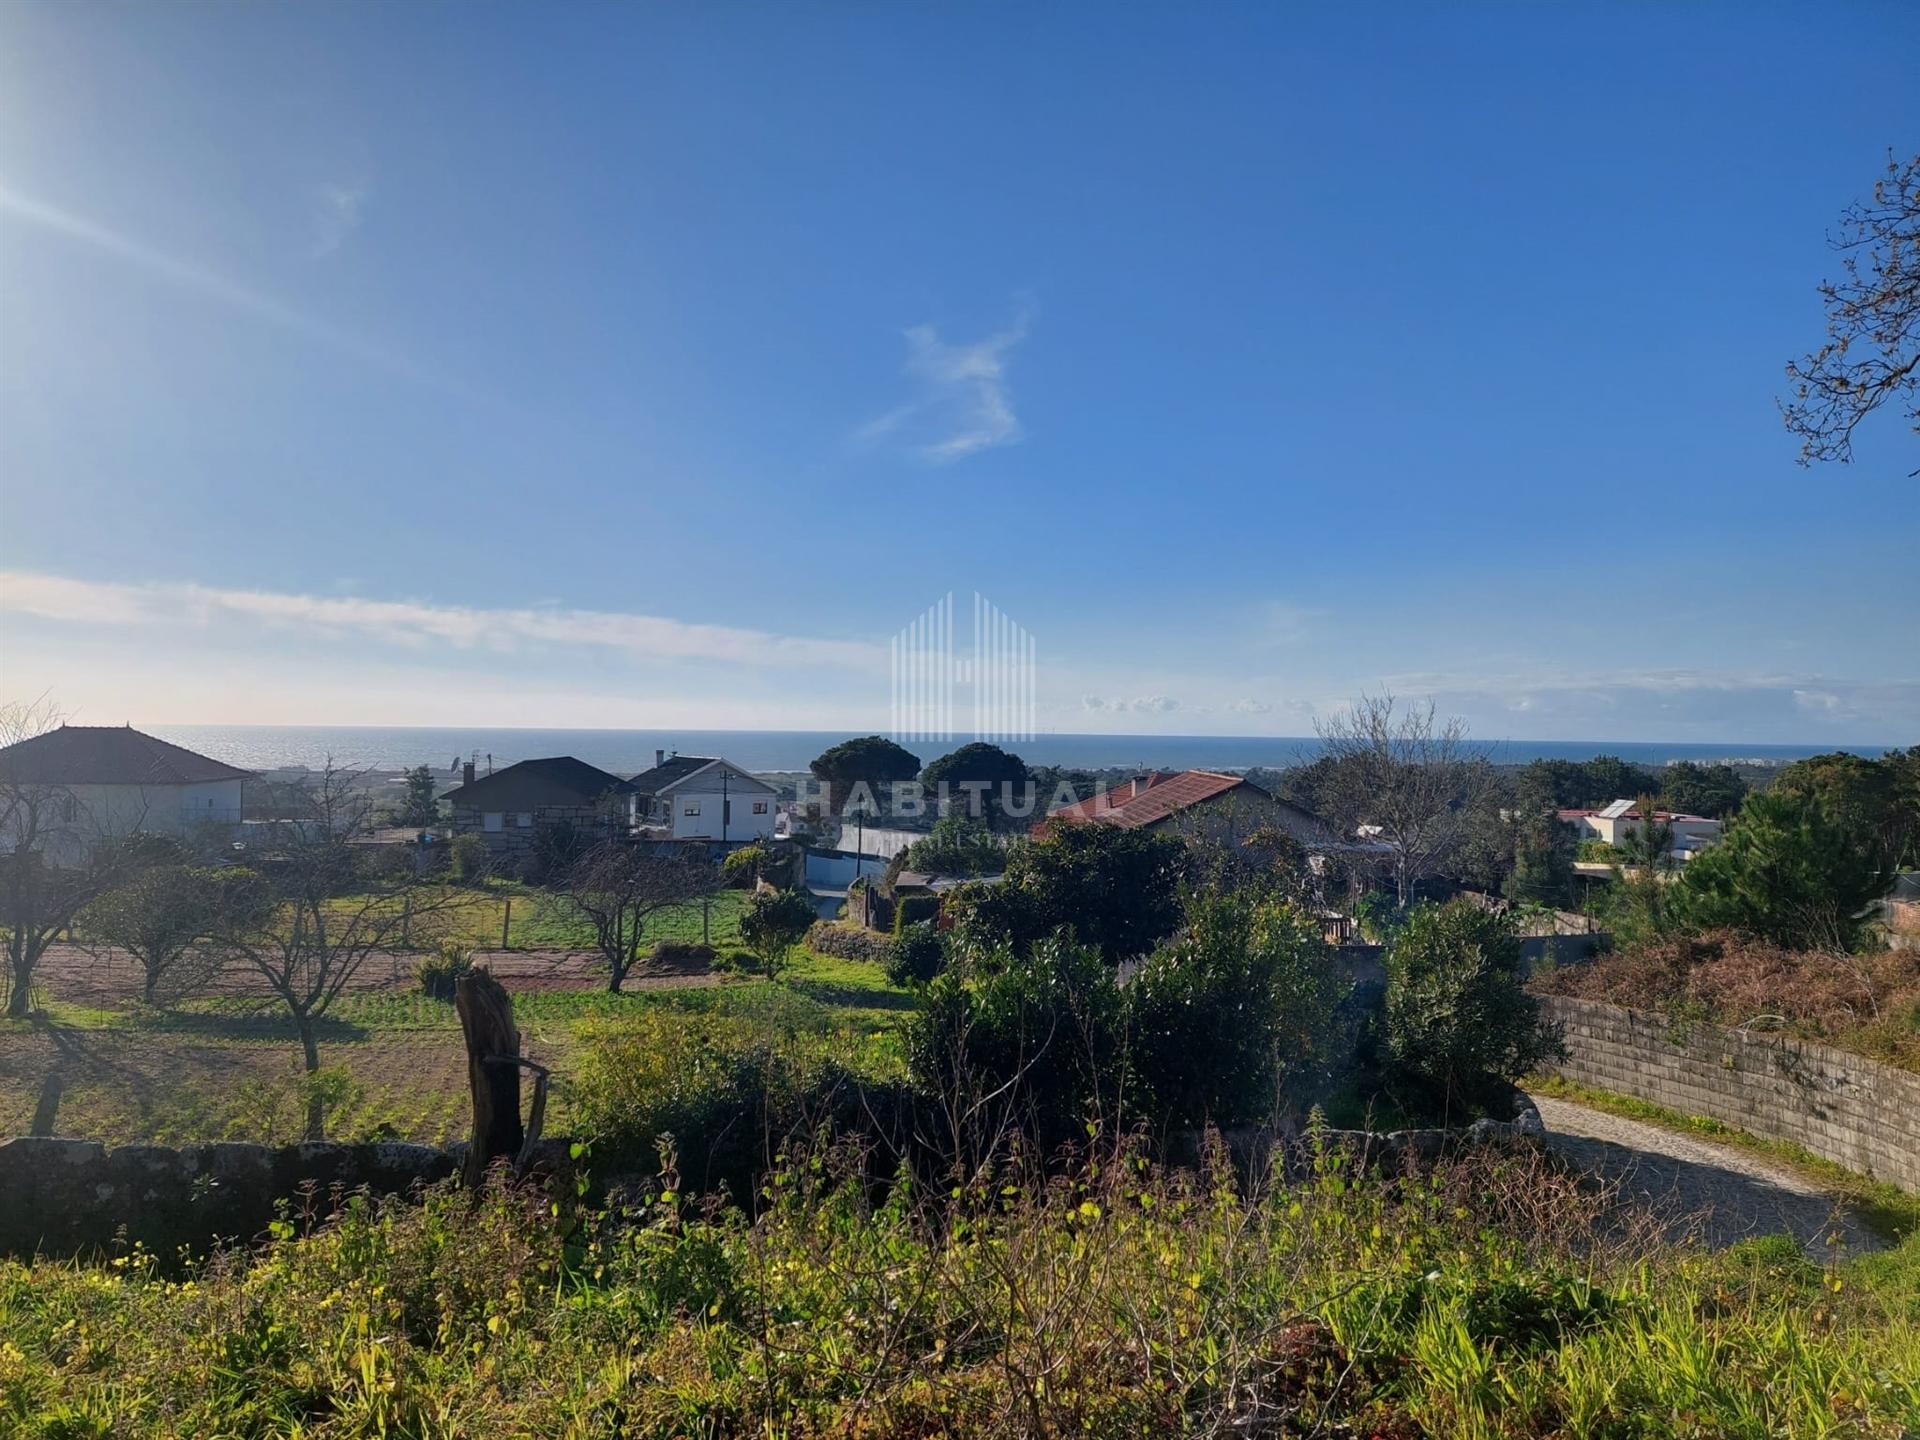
(1032, 1039)
(957, 846)
(919, 953)
(470, 858)
(773, 922)
(1459, 1024)
(1792, 869)
(1222, 1017)
(746, 865)
(914, 909)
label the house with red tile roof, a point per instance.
(1199, 803)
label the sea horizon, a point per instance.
(399, 747)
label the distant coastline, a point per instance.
(268, 747)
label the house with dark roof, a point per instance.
(68, 788)
(513, 808)
(1197, 804)
(702, 797)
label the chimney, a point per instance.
(659, 758)
(466, 773)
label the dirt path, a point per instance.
(1718, 1192)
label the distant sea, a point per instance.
(623, 752)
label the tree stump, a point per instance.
(493, 1071)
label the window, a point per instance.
(490, 820)
(759, 807)
(524, 820)
(692, 807)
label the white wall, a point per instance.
(741, 824)
(100, 812)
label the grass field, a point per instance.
(105, 1067)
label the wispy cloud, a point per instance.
(334, 211)
(198, 280)
(417, 624)
(1137, 704)
(964, 404)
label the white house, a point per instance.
(66, 790)
(702, 797)
(1620, 821)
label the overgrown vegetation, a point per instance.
(1491, 1299)
(1868, 1003)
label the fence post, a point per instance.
(506, 920)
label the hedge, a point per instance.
(913, 909)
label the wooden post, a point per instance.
(706, 930)
(506, 920)
(493, 1070)
(406, 923)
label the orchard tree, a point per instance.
(322, 910)
(1872, 353)
(58, 859)
(162, 916)
(619, 889)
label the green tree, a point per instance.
(773, 922)
(1877, 797)
(745, 866)
(421, 806)
(1459, 1021)
(871, 761)
(1221, 1018)
(1789, 870)
(1711, 790)
(1115, 889)
(1544, 847)
(1608, 777)
(956, 846)
(984, 781)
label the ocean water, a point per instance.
(624, 752)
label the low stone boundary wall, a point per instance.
(1844, 1108)
(64, 1197)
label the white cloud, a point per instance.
(334, 212)
(416, 624)
(198, 280)
(1139, 704)
(965, 404)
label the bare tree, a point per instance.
(55, 856)
(619, 887)
(159, 915)
(322, 910)
(1872, 354)
(1414, 780)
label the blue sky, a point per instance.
(619, 365)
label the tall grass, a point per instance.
(1494, 1297)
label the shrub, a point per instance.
(1223, 1016)
(746, 865)
(1458, 1021)
(773, 922)
(1033, 1040)
(918, 954)
(470, 858)
(911, 910)
(849, 942)
(439, 974)
(956, 847)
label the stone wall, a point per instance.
(65, 1197)
(1844, 1108)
